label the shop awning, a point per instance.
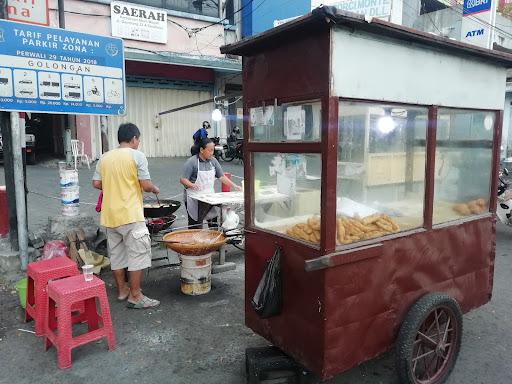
(218, 64)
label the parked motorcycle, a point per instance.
(504, 206)
(219, 148)
(234, 149)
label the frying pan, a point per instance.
(163, 208)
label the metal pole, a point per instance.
(62, 17)
(66, 121)
(19, 184)
(5, 123)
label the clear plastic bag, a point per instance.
(267, 300)
(54, 248)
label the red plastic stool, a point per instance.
(62, 295)
(39, 273)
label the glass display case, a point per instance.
(463, 164)
(290, 122)
(287, 194)
(381, 170)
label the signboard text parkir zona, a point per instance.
(57, 71)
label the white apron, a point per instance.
(205, 181)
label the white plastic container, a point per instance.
(196, 274)
(70, 196)
(70, 199)
(68, 178)
(70, 211)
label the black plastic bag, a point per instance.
(267, 300)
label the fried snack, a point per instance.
(348, 230)
(340, 230)
(371, 219)
(474, 207)
(352, 229)
(385, 225)
(394, 226)
(462, 209)
(314, 223)
(373, 227)
(481, 202)
(359, 225)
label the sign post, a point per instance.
(57, 71)
(478, 21)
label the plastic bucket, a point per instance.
(21, 287)
(70, 196)
(68, 178)
(70, 210)
(196, 274)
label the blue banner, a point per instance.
(57, 71)
(476, 6)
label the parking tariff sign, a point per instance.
(57, 71)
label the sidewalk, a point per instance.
(187, 339)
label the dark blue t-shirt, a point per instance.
(200, 134)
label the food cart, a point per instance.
(386, 142)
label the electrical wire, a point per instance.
(196, 30)
(461, 13)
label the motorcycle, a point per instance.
(218, 149)
(504, 206)
(234, 149)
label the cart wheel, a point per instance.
(429, 340)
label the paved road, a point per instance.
(43, 184)
(195, 340)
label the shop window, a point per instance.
(199, 7)
(286, 123)
(380, 170)
(463, 164)
(287, 194)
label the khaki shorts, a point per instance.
(129, 246)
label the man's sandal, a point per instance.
(143, 303)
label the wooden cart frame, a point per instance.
(343, 306)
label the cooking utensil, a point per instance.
(156, 225)
(194, 242)
(165, 208)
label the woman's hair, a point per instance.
(127, 132)
(204, 143)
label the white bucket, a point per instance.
(70, 196)
(70, 210)
(68, 178)
(196, 274)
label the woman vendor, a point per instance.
(199, 174)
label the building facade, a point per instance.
(173, 64)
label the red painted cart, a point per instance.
(383, 145)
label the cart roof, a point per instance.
(327, 17)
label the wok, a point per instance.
(165, 208)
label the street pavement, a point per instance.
(44, 191)
(195, 340)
